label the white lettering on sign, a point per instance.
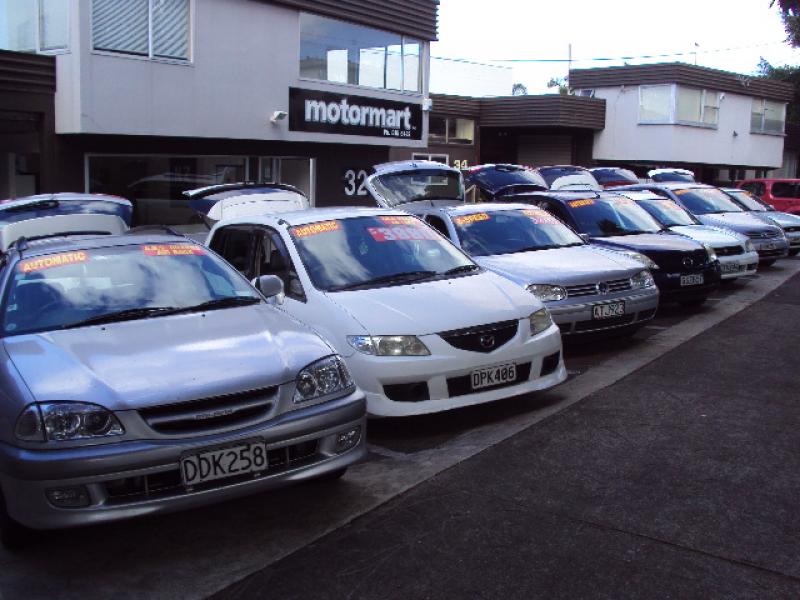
(318, 111)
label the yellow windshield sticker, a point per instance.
(541, 217)
(54, 260)
(681, 192)
(469, 219)
(172, 250)
(315, 228)
(400, 220)
(581, 202)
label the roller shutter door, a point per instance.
(543, 150)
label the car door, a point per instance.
(236, 244)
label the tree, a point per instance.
(789, 74)
(560, 83)
(519, 89)
(790, 13)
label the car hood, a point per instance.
(164, 360)
(644, 242)
(781, 218)
(434, 306)
(713, 236)
(737, 221)
(561, 266)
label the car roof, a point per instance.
(313, 215)
(639, 194)
(468, 209)
(671, 185)
(400, 166)
(70, 243)
(62, 197)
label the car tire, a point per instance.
(766, 263)
(331, 476)
(13, 536)
(794, 252)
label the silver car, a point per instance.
(142, 374)
(758, 208)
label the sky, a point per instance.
(730, 34)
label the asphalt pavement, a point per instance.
(680, 480)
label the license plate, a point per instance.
(731, 267)
(224, 462)
(691, 280)
(612, 309)
(769, 246)
(489, 376)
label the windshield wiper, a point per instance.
(127, 314)
(406, 277)
(226, 302)
(461, 269)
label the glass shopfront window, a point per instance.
(155, 184)
(332, 50)
(296, 171)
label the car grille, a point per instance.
(221, 412)
(729, 250)
(407, 392)
(168, 484)
(674, 262)
(483, 338)
(461, 386)
(792, 229)
(763, 235)
(591, 289)
(771, 253)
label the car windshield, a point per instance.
(667, 212)
(602, 217)
(424, 184)
(509, 231)
(375, 251)
(706, 201)
(14, 211)
(69, 289)
(747, 200)
(507, 178)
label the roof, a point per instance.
(468, 209)
(683, 74)
(401, 166)
(314, 215)
(62, 197)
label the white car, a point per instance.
(736, 253)
(421, 326)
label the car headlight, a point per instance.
(540, 321)
(712, 256)
(66, 421)
(645, 260)
(642, 280)
(547, 293)
(389, 345)
(326, 376)
(748, 246)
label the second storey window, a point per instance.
(767, 116)
(444, 130)
(340, 52)
(147, 28)
(34, 25)
(676, 104)
(697, 107)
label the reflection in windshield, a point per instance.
(432, 184)
(508, 231)
(373, 251)
(747, 200)
(705, 201)
(508, 179)
(667, 212)
(57, 290)
(602, 217)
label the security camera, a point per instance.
(278, 115)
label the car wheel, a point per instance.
(694, 302)
(13, 536)
(331, 476)
(766, 263)
(794, 252)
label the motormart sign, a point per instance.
(323, 112)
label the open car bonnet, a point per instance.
(393, 186)
(576, 182)
(75, 224)
(216, 203)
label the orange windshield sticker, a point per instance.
(541, 217)
(398, 233)
(54, 260)
(582, 202)
(623, 200)
(315, 228)
(400, 220)
(172, 250)
(468, 219)
(681, 192)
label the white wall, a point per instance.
(246, 56)
(464, 78)
(623, 139)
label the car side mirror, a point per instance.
(270, 286)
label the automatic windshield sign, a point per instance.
(323, 112)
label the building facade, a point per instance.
(154, 97)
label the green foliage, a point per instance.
(790, 13)
(789, 74)
(519, 89)
(560, 83)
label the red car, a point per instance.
(783, 194)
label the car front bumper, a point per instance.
(738, 265)
(576, 317)
(443, 375)
(771, 248)
(309, 435)
(669, 284)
